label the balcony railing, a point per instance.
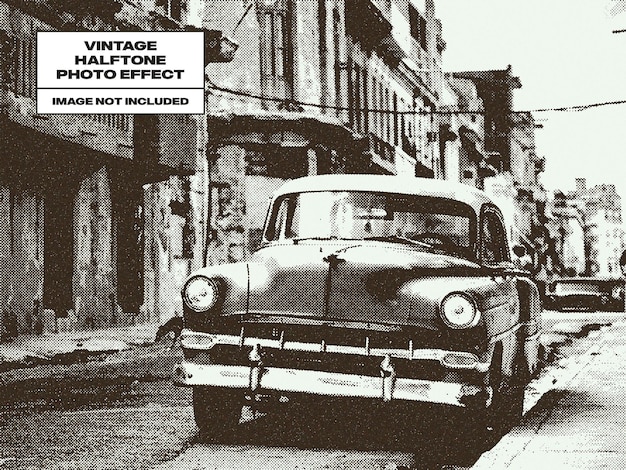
(121, 122)
(383, 149)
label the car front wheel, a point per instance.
(507, 403)
(216, 410)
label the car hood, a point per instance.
(370, 282)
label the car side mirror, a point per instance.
(522, 259)
(519, 250)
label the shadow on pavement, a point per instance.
(436, 436)
(69, 395)
(569, 402)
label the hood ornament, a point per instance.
(333, 260)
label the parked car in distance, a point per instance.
(380, 288)
(586, 294)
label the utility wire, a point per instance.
(573, 108)
(245, 13)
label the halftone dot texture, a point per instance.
(578, 425)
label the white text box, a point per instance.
(144, 101)
(120, 59)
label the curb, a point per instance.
(513, 444)
(67, 348)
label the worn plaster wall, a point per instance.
(166, 260)
(228, 206)
(306, 39)
(241, 24)
(21, 254)
(94, 274)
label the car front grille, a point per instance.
(358, 335)
(340, 349)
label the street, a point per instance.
(354, 210)
(122, 411)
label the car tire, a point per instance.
(507, 403)
(216, 410)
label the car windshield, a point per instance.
(576, 287)
(357, 215)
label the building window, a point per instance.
(396, 126)
(273, 54)
(351, 106)
(171, 8)
(418, 27)
(20, 56)
(275, 49)
(374, 99)
(356, 79)
(387, 117)
(382, 116)
(365, 105)
(336, 39)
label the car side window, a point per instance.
(278, 220)
(493, 239)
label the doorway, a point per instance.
(58, 252)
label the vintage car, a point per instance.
(372, 288)
(586, 294)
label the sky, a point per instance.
(565, 54)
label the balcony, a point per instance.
(381, 155)
(419, 55)
(366, 23)
(390, 50)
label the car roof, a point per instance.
(388, 184)
(586, 279)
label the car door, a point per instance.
(501, 304)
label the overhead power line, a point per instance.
(573, 108)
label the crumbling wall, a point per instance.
(21, 257)
(94, 273)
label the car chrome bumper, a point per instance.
(386, 388)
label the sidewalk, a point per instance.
(29, 349)
(579, 424)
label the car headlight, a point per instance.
(459, 311)
(200, 293)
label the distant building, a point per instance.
(504, 162)
(461, 134)
(567, 228)
(588, 224)
(604, 235)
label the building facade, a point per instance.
(119, 209)
(461, 133)
(331, 86)
(71, 186)
(567, 226)
(604, 237)
(505, 163)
